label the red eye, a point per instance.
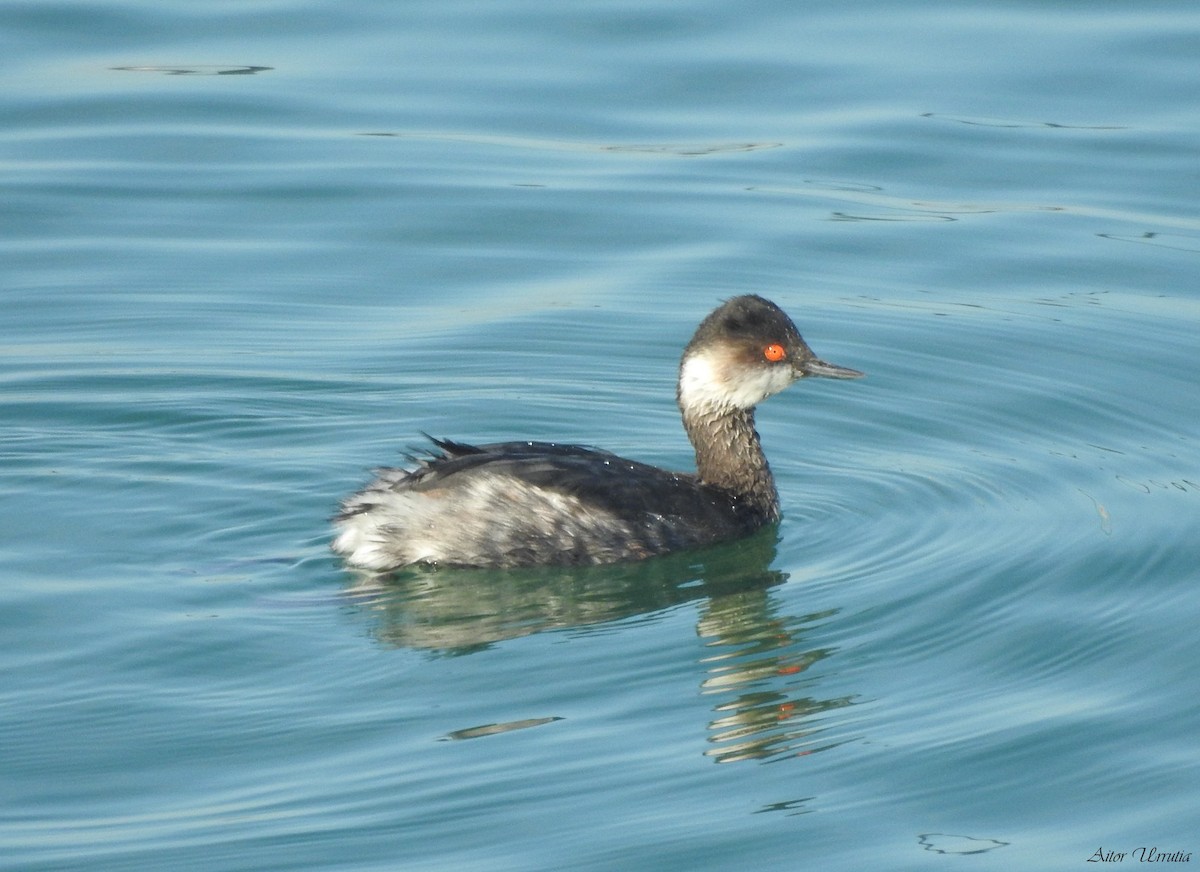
(774, 352)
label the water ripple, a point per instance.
(196, 69)
(696, 149)
(900, 208)
(1010, 123)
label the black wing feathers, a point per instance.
(602, 479)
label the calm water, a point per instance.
(252, 249)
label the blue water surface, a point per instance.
(252, 249)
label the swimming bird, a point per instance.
(512, 504)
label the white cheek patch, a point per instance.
(707, 379)
(700, 380)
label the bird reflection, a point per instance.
(460, 611)
(755, 663)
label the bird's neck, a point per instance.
(730, 456)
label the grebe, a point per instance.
(530, 503)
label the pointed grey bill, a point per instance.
(828, 370)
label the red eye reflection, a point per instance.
(774, 352)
